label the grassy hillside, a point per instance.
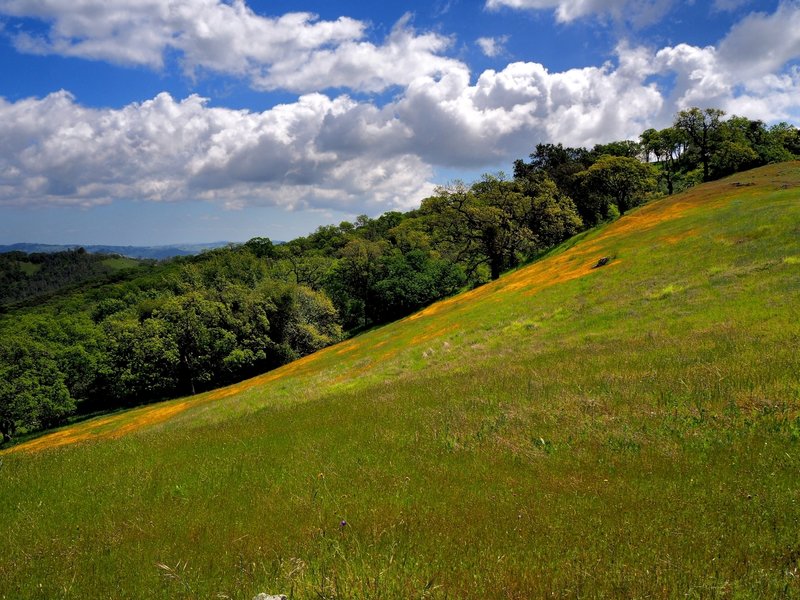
(630, 430)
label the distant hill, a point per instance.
(142, 252)
(27, 276)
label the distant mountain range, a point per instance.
(155, 252)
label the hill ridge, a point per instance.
(572, 260)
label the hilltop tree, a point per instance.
(618, 180)
(667, 146)
(497, 222)
(310, 321)
(297, 261)
(558, 162)
(413, 279)
(261, 247)
(202, 340)
(143, 358)
(703, 130)
(627, 148)
(484, 224)
(784, 142)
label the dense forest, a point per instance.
(190, 324)
(25, 276)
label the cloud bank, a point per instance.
(324, 151)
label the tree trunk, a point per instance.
(496, 266)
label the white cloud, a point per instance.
(638, 12)
(699, 80)
(745, 72)
(296, 51)
(507, 112)
(57, 152)
(404, 56)
(492, 46)
(763, 43)
(317, 152)
(770, 98)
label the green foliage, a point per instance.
(143, 358)
(618, 180)
(33, 393)
(29, 276)
(353, 278)
(497, 222)
(311, 321)
(703, 131)
(667, 146)
(413, 280)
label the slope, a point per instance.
(630, 430)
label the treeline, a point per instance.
(24, 276)
(193, 324)
(701, 145)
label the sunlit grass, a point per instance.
(29, 268)
(120, 262)
(625, 431)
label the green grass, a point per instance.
(629, 431)
(29, 268)
(119, 263)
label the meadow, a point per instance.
(623, 431)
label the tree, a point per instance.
(702, 129)
(353, 277)
(202, 341)
(302, 264)
(479, 225)
(33, 393)
(552, 217)
(311, 322)
(733, 156)
(559, 163)
(261, 247)
(143, 359)
(411, 280)
(781, 143)
(497, 222)
(627, 148)
(618, 180)
(667, 146)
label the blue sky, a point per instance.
(165, 121)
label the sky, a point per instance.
(144, 122)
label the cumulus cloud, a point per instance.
(506, 112)
(57, 152)
(746, 73)
(762, 43)
(316, 152)
(638, 12)
(296, 51)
